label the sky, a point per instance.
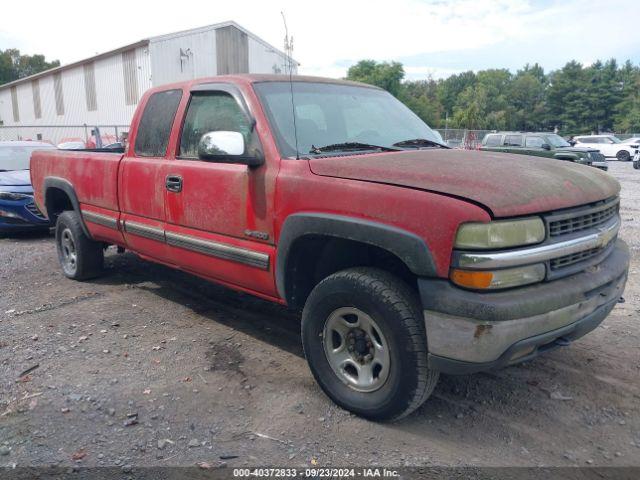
(430, 37)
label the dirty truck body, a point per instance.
(407, 258)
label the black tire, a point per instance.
(623, 156)
(396, 310)
(88, 256)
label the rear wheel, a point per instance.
(623, 156)
(80, 257)
(364, 339)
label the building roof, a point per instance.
(142, 43)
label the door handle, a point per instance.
(174, 183)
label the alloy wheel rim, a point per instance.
(356, 349)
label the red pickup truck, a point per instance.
(406, 257)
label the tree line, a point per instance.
(14, 65)
(601, 97)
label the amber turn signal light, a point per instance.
(470, 279)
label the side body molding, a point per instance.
(407, 246)
(66, 187)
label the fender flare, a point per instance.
(66, 187)
(407, 246)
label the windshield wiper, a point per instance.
(350, 146)
(419, 142)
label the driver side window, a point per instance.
(211, 112)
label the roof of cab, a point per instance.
(250, 78)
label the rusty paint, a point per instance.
(220, 202)
(482, 330)
(508, 185)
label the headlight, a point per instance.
(509, 277)
(13, 196)
(500, 234)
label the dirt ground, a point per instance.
(151, 367)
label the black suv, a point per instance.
(538, 144)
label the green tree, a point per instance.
(387, 75)
(450, 89)
(421, 97)
(627, 112)
(567, 99)
(527, 97)
(14, 66)
(471, 108)
(628, 118)
(575, 99)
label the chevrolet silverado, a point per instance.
(406, 258)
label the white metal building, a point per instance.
(104, 90)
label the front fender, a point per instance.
(407, 246)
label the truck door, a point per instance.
(143, 177)
(513, 143)
(219, 223)
(533, 146)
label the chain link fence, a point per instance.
(67, 136)
(462, 137)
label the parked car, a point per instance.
(632, 141)
(542, 144)
(116, 146)
(407, 258)
(17, 209)
(72, 145)
(609, 145)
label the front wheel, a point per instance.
(364, 338)
(623, 156)
(80, 257)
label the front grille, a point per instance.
(597, 157)
(583, 220)
(567, 260)
(33, 208)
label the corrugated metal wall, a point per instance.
(106, 91)
(232, 50)
(64, 98)
(183, 57)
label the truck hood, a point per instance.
(15, 178)
(575, 149)
(507, 185)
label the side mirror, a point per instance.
(226, 147)
(546, 146)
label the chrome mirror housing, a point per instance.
(214, 145)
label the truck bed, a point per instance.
(93, 175)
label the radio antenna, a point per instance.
(288, 50)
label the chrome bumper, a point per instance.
(471, 331)
(469, 340)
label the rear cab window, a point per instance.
(154, 129)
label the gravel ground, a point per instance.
(151, 367)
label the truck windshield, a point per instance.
(557, 141)
(330, 114)
(16, 157)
